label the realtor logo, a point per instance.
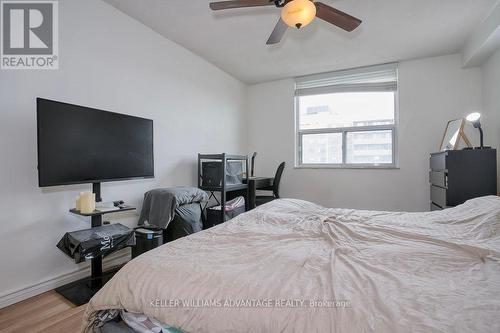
(29, 36)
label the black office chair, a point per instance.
(260, 200)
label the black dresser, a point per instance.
(459, 175)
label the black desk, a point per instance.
(248, 190)
(258, 183)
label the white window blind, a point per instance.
(374, 78)
(347, 118)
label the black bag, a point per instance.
(187, 221)
(101, 241)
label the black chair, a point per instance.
(260, 200)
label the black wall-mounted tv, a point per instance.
(79, 145)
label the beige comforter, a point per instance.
(293, 266)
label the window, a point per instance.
(347, 118)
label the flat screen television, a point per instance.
(79, 145)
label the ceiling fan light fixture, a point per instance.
(298, 13)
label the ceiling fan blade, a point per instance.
(336, 17)
(239, 4)
(278, 32)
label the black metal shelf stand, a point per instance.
(224, 188)
(80, 292)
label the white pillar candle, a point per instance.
(87, 203)
(78, 201)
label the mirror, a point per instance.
(452, 135)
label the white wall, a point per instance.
(491, 102)
(431, 92)
(107, 61)
(110, 61)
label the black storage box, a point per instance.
(146, 239)
(211, 173)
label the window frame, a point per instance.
(344, 130)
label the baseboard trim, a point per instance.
(53, 283)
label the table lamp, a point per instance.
(474, 118)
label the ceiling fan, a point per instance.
(295, 13)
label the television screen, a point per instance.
(77, 145)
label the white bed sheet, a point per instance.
(388, 272)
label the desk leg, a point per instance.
(223, 206)
(251, 194)
(247, 198)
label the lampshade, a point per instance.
(298, 13)
(473, 117)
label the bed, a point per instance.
(293, 266)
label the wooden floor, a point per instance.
(48, 312)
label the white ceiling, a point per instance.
(235, 40)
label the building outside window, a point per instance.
(348, 118)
